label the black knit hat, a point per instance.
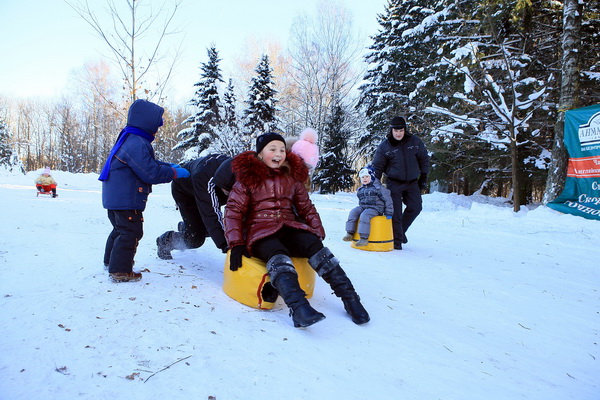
(398, 123)
(266, 138)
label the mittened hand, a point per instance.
(423, 181)
(181, 172)
(235, 258)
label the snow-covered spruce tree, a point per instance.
(398, 61)
(333, 173)
(500, 92)
(230, 139)
(9, 159)
(207, 105)
(260, 114)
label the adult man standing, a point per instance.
(199, 198)
(404, 160)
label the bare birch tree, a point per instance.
(324, 50)
(125, 34)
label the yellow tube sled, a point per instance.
(381, 237)
(251, 285)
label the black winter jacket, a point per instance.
(209, 199)
(402, 161)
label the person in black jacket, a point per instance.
(199, 200)
(404, 160)
(127, 178)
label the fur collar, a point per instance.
(252, 172)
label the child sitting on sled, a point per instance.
(373, 200)
(45, 183)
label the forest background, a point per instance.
(483, 82)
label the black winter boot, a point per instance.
(164, 244)
(285, 279)
(328, 268)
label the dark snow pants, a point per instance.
(288, 241)
(409, 194)
(123, 240)
(195, 232)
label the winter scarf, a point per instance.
(120, 140)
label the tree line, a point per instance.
(482, 82)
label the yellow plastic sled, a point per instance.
(381, 237)
(250, 284)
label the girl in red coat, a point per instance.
(269, 215)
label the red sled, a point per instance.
(46, 194)
(46, 190)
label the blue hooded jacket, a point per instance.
(133, 168)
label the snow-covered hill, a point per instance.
(482, 303)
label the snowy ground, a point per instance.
(483, 303)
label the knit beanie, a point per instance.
(398, 123)
(47, 171)
(266, 138)
(307, 148)
(364, 172)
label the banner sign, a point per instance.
(581, 195)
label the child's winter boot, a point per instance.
(348, 237)
(285, 279)
(164, 244)
(328, 267)
(361, 242)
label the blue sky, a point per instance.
(44, 40)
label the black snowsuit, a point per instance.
(199, 202)
(406, 165)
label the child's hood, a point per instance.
(145, 115)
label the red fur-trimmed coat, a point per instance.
(263, 200)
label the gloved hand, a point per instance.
(388, 217)
(423, 181)
(235, 258)
(181, 172)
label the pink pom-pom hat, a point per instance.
(306, 147)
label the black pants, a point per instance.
(195, 231)
(409, 194)
(123, 240)
(289, 241)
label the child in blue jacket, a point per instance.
(127, 179)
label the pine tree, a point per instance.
(334, 173)
(260, 114)
(499, 93)
(400, 55)
(8, 156)
(230, 141)
(207, 104)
